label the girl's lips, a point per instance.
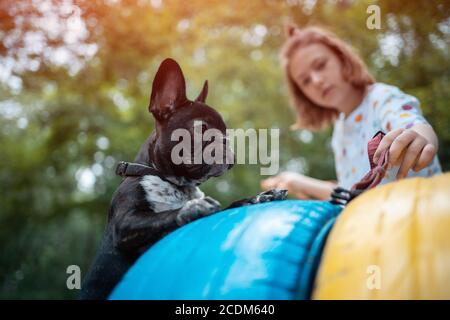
(327, 91)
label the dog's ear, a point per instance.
(168, 90)
(204, 93)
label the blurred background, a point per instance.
(75, 81)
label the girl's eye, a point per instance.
(321, 64)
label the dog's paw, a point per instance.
(197, 208)
(213, 203)
(271, 195)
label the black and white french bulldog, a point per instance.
(156, 195)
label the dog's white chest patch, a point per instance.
(163, 196)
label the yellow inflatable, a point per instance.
(392, 242)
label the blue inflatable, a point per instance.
(264, 251)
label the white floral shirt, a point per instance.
(384, 108)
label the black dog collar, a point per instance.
(131, 169)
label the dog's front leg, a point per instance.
(135, 231)
(266, 196)
(197, 208)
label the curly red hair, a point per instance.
(309, 115)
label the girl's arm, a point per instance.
(411, 141)
(300, 186)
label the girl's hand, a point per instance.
(301, 186)
(407, 148)
(291, 181)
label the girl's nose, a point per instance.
(316, 79)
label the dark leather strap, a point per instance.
(131, 169)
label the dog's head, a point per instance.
(183, 147)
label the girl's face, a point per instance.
(317, 71)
